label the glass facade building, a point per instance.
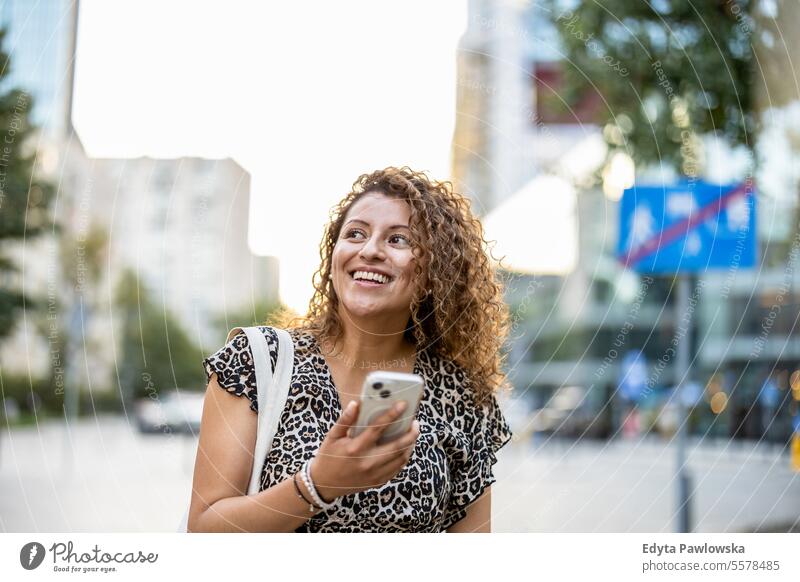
(40, 44)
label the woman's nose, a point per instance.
(372, 249)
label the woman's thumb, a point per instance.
(346, 420)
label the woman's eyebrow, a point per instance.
(367, 223)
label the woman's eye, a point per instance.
(353, 232)
(402, 238)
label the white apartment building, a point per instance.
(182, 225)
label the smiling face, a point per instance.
(373, 261)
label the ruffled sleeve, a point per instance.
(486, 432)
(233, 365)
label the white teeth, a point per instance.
(366, 275)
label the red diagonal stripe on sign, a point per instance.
(681, 227)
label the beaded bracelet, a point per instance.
(311, 506)
(305, 474)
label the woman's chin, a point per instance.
(363, 309)
(357, 310)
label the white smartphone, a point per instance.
(380, 392)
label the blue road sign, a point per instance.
(690, 227)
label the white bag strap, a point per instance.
(272, 392)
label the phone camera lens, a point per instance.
(377, 385)
(386, 393)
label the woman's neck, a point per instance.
(370, 342)
(367, 350)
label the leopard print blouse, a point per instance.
(451, 464)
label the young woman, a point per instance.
(404, 285)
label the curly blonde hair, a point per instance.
(461, 315)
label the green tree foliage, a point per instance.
(155, 353)
(24, 197)
(82, 259)
(668, 72)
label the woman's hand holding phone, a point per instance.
(347, 465)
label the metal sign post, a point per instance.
(682, 375)
(676, 230)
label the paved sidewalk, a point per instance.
(105, 476)
(630, 487)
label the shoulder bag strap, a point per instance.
(272, 391)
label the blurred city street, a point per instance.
(105, 476)
(606, 197)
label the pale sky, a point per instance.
(305, 95)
